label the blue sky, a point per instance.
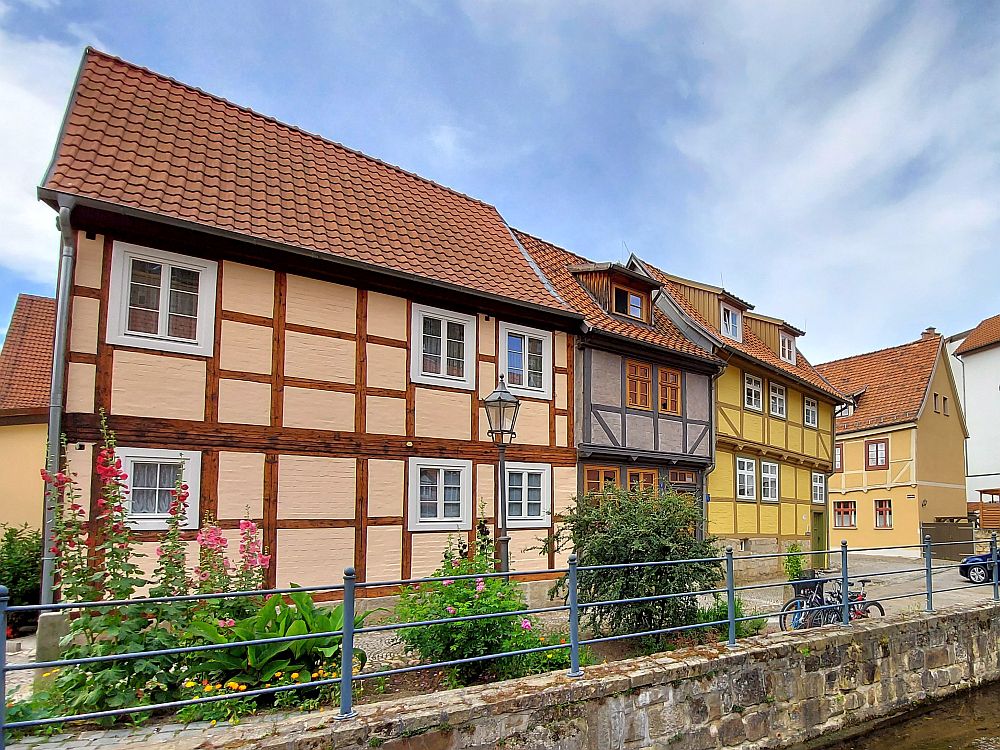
(837, 164)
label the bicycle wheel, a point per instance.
(792, 617)
(872, 609)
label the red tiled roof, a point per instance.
(26, 358)
(985, 334)
(894, 382)
(137, 139)
(751, 345)
(555, 263)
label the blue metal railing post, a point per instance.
(996, 569)
(4, 600)
(845, 583)
(347, 650)
(929, 572)
(574, 620)
(731, 595)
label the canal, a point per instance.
(970, 721)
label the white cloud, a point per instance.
(36, 76)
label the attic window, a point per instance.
(631, 303)
(732, 323)
(787, 348)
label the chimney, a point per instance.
(929, 333)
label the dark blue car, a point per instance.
(977, 568)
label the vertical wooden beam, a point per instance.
(361, 520)
(103, 384)
(360, 421)
(270, 525)
(212, 369)
(209, 501)
(406, 548)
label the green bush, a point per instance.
(719, 611)
(21, 568)
(793, 563)
(628, 526)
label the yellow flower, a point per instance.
(295, 675)
(218, 687)
(315, 675)
(267, 684)
(189, 684)
(209, 688)
(46, 674)
(231, 685)
(277, 674)
(241, 687)
(212, 723)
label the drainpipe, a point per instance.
(57, 393)
(703, 532)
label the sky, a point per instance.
(835, 164)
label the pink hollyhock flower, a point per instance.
(525, 624)
(450, 610)
(480, 584)
(447, 583)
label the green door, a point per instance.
(818, 536)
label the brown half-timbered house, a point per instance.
(301, 332)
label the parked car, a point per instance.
(977, 568)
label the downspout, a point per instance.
(64, 285)
(703, 531)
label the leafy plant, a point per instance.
(276, 619)
(619, 526)
(20, 568)
(793, 563)
(718, 611)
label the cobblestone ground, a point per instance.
(386, 650)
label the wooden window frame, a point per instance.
(753, 473)
(783, 414)
(747, 376)
(643, 299)
(784, 338)
(632, 472)
(664, 389)
(464, 521)
(648, 381)
(673, 476)
(838, 458)
(190, 462)
(734, 311)
(845, 506)
(814, 423)
(813, 485)
(869, 466)
(884, 512)
(506, 330)
(944, 406)
(777, 482)
(543, 520)
(937, 405)
(603, 469)
(470, 345)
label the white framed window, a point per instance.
(746, 478)
(732, 322)
(819, 488)
(526, 360)
(440, 494)
(769, 481)
(153, 473)
(787, 347)
(529, 495)
(161, 300)
(844, 410)
(444, 347)
(777, 400)
(810, 412)
(752, 392)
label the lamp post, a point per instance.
(501, 411)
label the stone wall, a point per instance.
(770, 692)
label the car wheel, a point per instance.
(978, 574)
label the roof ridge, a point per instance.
(91, 50)
(552, 244)
(879, 351)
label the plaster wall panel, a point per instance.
(563, 488)
(313, 557)
(316, 487)
(487, 335)
(89, 263)
(244, 402)
(319, 357)
(241, 485)
(385, 416)
(245, 347)
(522, 556)
(384, 553)
(318, 410)
(247, 289)
(533, 423)
(83, 329)
(150, 385)
(444, 414)
(386, 482)
(312, 302)
(80, 382)
(386, 367)
(427, 549)
(386, 316)
(559, 349)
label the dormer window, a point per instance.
(631, 303)
(732, 323)
(787, 348)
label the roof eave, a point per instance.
(53, 199)
(835, 395)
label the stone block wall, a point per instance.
(769, 692)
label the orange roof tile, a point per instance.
(26, 358)
(555, 263)
(985, 334)
(894, 382)
(134, 138)
(751, 345)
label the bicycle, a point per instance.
(860, 607)
(799, 612)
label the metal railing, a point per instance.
(348, 676)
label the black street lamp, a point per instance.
(501, 411)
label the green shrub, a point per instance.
(793, 562)
(21, 568)
(719, 611)
(628, 526)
